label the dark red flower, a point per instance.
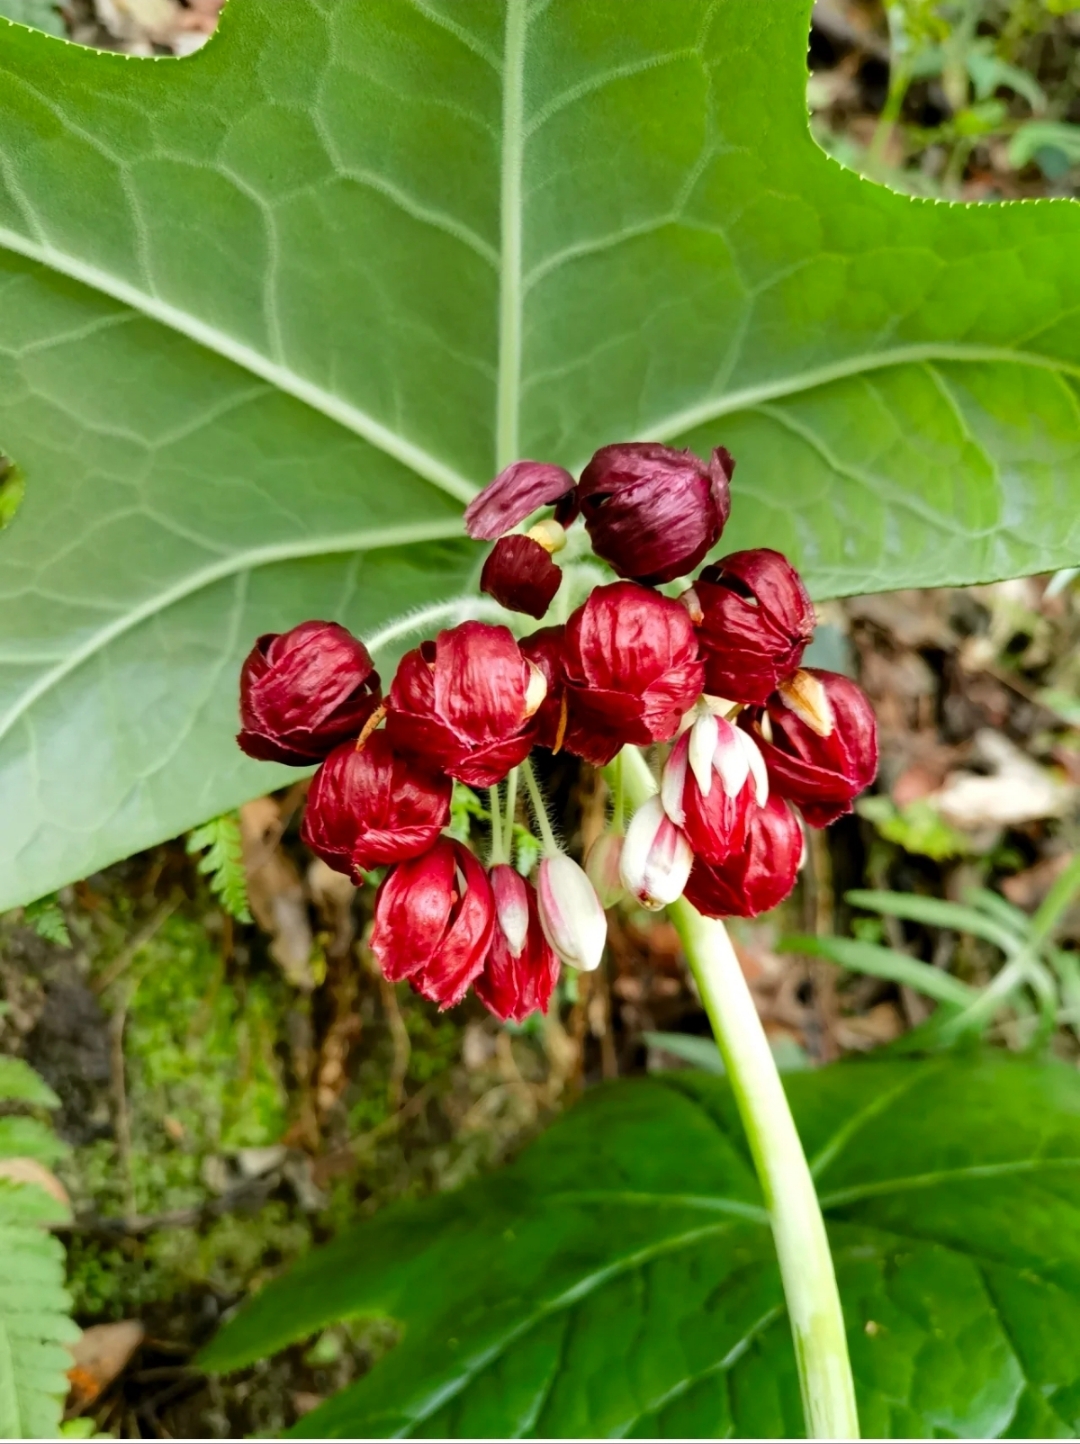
(464, 703)
(434, 917)
(632, 669)
(372, 806)
(521, 970)
(520, 574)
(712, 782)
(756, 878)
(823, 774)
(653, 512)
(515, 494)
(302, 692)
(545, 648)
(755, 621)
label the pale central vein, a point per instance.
(237, 562)
(222, 344)
(513, 143)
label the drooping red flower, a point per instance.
(434, 917)
(632, 669)
(520, 574)
(464, 703)
(713, 780)
(373, 806)
(545, 648)
(304, 691)
(521, 970)
(756, 619)
(653, 512)
(515, 494)
(823, 774)
(757, 877)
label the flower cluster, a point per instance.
(716, 672)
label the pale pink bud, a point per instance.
(602, 868)
(570, 913)
(511, 905)
(656, 857)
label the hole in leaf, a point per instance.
(12, 487)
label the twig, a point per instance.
(127, 954)
(122, 1121)
(402, 1046)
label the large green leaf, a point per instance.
(620, 1278)
(269, 315)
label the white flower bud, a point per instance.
(511, 905)
(602, 868)
(656, 857)
(570, 913)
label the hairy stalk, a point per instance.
(497, 854)
(511, 813)
(806, 1267)
(539, 807)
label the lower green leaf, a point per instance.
(620, 1280)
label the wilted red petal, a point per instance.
(632, 670)
(516, 980)
(445, 977)
(304, 691)
(822, 774)
(412, 911)
(653, 512)
(759, 876)
(515, 494)
(756, 620)
(520, 575)
(460, 704)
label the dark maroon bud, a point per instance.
(521, 969)
(758, 877)
(545, 648)
(515, 494)
(464, 703)
(653, 512)
(370, 807)
(520, 575)
(434, 917)
(302, 692)
(632, 670)
(755, 621)
(818, 737)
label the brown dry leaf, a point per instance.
(29, 1170)
(869, 1030)
(101, 1354)
(276, 893)
(1017, 791)
(1028, 888)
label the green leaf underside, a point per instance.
(620, 1280)
(270, 314)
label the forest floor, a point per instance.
(231, 1095)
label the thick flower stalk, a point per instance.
(752, 748)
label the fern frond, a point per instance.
(35, 1307)
(45, 917)
(223, 862)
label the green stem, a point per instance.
(806, 1267)
(511, 813)
(497, 854)
(547, 837)
(618, 810)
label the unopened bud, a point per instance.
(656, 857)
(511, 905)
(602, 868)
(550, 535)
(570, 913)
(808, 699)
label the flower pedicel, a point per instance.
(717, 674)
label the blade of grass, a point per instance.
(936, 913)
(879, 962)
